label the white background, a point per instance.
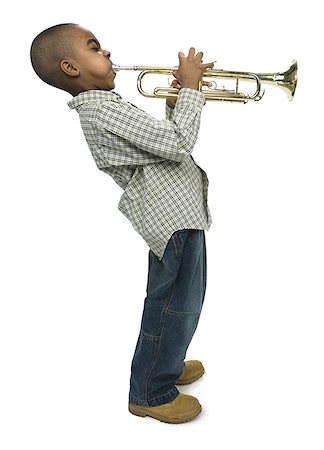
(73, 271)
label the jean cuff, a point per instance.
(156, 401)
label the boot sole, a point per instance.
(143, 412)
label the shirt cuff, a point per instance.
(190, 96)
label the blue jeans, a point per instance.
(175, 295)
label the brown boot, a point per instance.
(192, 371)
(182, 409)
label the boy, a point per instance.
(165, 198)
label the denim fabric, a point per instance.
(175, 295)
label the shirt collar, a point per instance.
(92, 96)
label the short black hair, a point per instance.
(47, 51)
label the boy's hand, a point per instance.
(171, 101)
(191, 69)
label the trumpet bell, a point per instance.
(287, 80)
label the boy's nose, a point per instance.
(106, 53)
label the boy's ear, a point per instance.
(70, 68)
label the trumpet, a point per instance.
(287, 80)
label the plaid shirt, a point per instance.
(164, 190)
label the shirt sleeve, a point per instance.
(168, 112)
(171, 139)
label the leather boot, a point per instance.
(192, 371)
(182, 409)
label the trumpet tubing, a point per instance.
(287, 80)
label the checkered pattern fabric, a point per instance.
(150, 159)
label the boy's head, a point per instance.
(70, 57)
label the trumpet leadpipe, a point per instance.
(117, 68)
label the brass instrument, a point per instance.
(287, 80)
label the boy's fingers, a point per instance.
(207, 83)
(208, 65)
(175, 83)
(191, 53)
(181, 57)
(199, 57)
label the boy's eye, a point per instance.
(94, 44)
